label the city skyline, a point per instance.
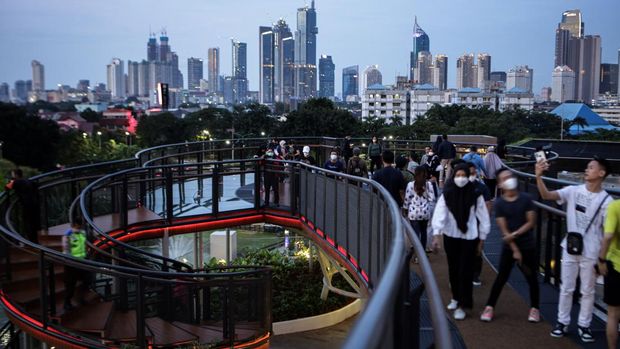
(61, 48)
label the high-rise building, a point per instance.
(194, 73)
(350, 83)
(421, 42)
(440, 72)
(588, 65)
(83, 85)
(4, 92)
(239, 71)
(423, 73)
(116, 78)
(151, 48)
(327, 77)
(545, 94)
(143, 79)
(371, 76)
(563, 84)
(520, 77)
(572, 21)
(266, 69)
(618, 93)
(214, 69)
(133, 78)
(465, 74)
(562, 38)
(498, 76)
(164, 47)
(38, 76)
(609, 79)
(21, 92)
(228, 90)
(277, 63)
(484, 70)
(305, 53)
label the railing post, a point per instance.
(169, 196)
(558, 251)
(52, 287)
(140, 335)
(43, 288)
(215, 189)
(123, 204)
(257, 176)
(293, 189)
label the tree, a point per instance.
(91, 115)
(580, 122)
(396, 120)
(160, 129)
(319, 117)
(252, 119)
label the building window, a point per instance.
(383, 104)
(383, 96)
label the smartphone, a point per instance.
(540, 156)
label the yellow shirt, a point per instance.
(612, 227)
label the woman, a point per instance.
(374, 153)
(461, 216)
(419, 203)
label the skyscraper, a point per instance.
(350, 82)
(133, 78)
(423, 70)
(194, 73)
(440, 72)
(465, 71)
(521, 77)
(305, 53)
(609, 79)
(266, 69)
(484, 70)
(562, 37)
(151, 48)
(498, 76)
(421, 42)
(239, 71)
(4, 92)
(563, 84)
(371, 76)
(618, 93)
(38, 76)
(116, 78)
(83, 85)
(327, 79)
(214, 69)
(572, 21)
(589, 77)
(143, 79)
(21, 91)
(164, 47)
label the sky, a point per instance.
(76, 39)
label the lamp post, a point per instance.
(127, 138)
(99, 134)
(1, 144)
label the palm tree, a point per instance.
(580, 122)
(396, 120)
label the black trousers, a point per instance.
(528, 268)
(271, 182)
(491, 184)
(71, 277)
(461, 254)
(375, 161)
(420, 228)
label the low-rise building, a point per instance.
(384, 102)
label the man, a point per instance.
(347, 151)
(391, 178)
(515, 215)
(586, 205)
(334, 163)
(475, 158)
(28, 198)
(74, 244)
(446, 153)
(424, 159)
(492, 163)
(305, 156)
(270, 178)
(609, 266)
(356, 165)
(481, 189)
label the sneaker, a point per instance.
(459, 314)
(585, 334)
(487, 314)
(534, 315)
(559, 330)
(477, 282)
(453, 304)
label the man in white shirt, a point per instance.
(586, 205)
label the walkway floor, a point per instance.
(327, 338)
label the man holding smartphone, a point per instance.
(586, 205)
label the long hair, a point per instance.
(419, 177)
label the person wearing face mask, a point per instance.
(462, 219)
(432, 162)
(481, 189)
(305, 156)
(515, 215)
(270, 178)
(475, 159)
(334, 164)
(374, 154)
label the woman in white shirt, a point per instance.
(419, 203)
(461, 216)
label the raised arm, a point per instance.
(541, 167)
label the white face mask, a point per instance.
(472, 178)
(269, 154)
(334, 157)
(306, 153)
(461, 181)
(510, 184)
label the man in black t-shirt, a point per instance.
(391, 178)
(516, 216)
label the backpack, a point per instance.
(421, 206)
(357, 169)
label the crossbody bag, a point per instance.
(574, 240)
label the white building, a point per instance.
(116, 78)
(516, 98)
(384, 102)
(38, 76)
(610, 114)
(424, 97)
(563, 84)
(521, 77)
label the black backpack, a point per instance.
(357, 169)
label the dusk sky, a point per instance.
(76, 39)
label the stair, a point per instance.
(96, 320)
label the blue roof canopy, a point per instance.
(570, 111)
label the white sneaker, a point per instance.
(453, 304)
(459, 314)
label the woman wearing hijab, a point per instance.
(461, 216)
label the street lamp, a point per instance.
(99, 134)
(262, 133)
(84, 135)
(127, 138)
